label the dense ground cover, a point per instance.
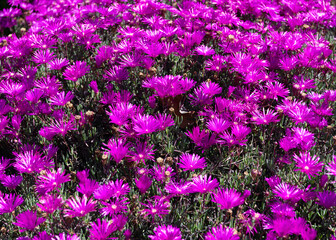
(167, 119)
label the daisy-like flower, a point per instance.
(169, 85)
(57, 127)
(28, 220)
(228, 198)
(201, 138)
(60, 99)
(58, 63)
(218, 125)
(307, 164)
(43, 56)
(221, 233)
(331, 168)
(74, 72)
(145, 124)
(164, 232)
(51, 180)
(11, 181)
(265, 117)
(143, 183)
(181, 188)
(204, 50)
(288, 192)
(118, 149)
(327, 199)
(191, 162)
(30, 161)
(102, 229)
(50, 203)
(87, 187)
(142, 152)
(115, 206)
(117, 74)
(158, 208)
(203, 184)
(9, 202)
(79, 207)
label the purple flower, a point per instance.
(222, 233)
(79, 207)
(228, 198)
(9, 202)
(203, 184)
(164, 232)
(327, 199)
(175, 188)
(28, 220)
(191, 162)
(143, 183)
(115, 206)
(145, 124)
(204, 50)
(50, 203)
(52, 180)
(74, 72)
(331, 168)
(288, 192)
(11, 181)
(307, 164)
(118, 149)
(60, 99)
(102, 229)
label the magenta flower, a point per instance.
(169, 85)
(204, 50)
(327, 199)
(118, 149)
(145, 124)
(87, 187)
(143, 183)
(157, 208)
(9, 202)
(28, 220)
(102, 229)
(74, 72)
(203, 184)
(50, 203)
(30, 161)
(221, 233)
(227, 198)
(79, 207)
(60, 99)
(288, 192)
(11, 181)
(175, 188)
(191, 162)
(307, 164)
(265, 117)
(201, 138)
(52, 180)
(114, 207)
(58, 63)
(218, 125)
(43, 56)
(331, 168)
(164, 232)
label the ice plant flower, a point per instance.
(190, 162)
(288, 192)
(227, 198)
(79, 207)
(164, 232)
(203, 184)
(102, 229)
(221, 233)
(307, 164)
(327, 199)
(74, 72)
(331, 168)
(28, 220)
(51, 180)
(9, 202)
